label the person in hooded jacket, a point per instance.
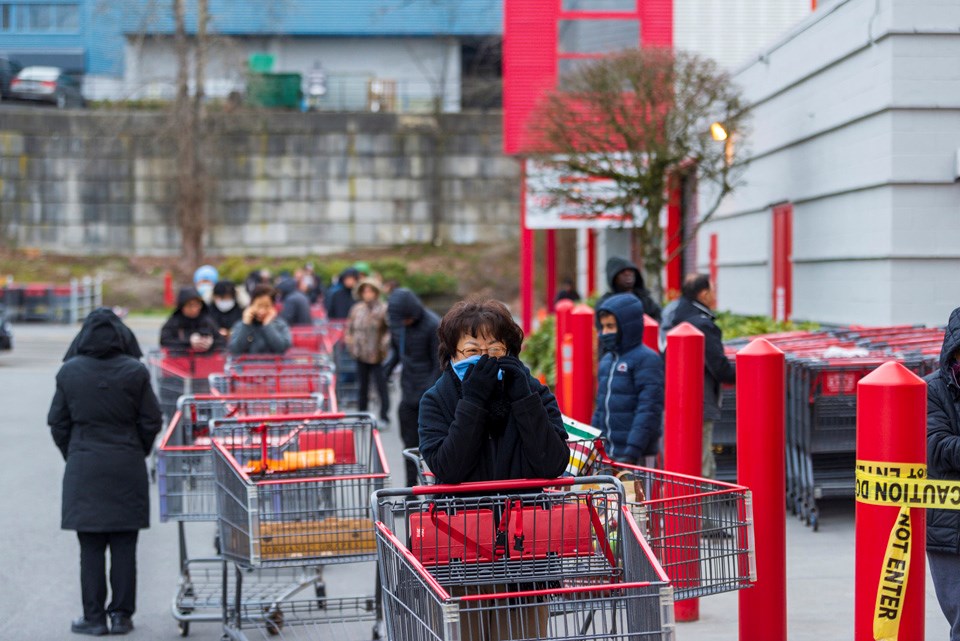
(943, 462)
(624, 277)
(226, 309)
(629, 407)
(487, 418)
(104, 418)
(339, 299)
(413, 337)
(296, 306)
(190, 327)
(695, 306)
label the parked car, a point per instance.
(47, 84)
(8, 71)
(6, 331)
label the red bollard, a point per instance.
(761, 399)
(651, 333)
(563, 309)
(584, 363)
(167, 289)
(891, 428)
(682, 443)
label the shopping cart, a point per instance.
(187, 494)
(291, 361)
(293, 491)
(294, 381)
(175, 374)
(320, 337)
(511, 560)
(700, 530)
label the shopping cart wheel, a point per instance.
(184, 628)
(321, 591)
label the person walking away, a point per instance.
(695, 306)
(190, 327)
(340, 298)
(367, 337)
(943, 463)
(226, 310)
(488, 419)
(104, 418)
(413, 337)
(260, 330)
(630, 383)
(624, 277)
(296, 306)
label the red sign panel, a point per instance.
(543, 38)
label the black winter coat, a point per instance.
(415, 346)
(717, 367)
(104, 418)
(629, 408)
(458, 445)
(175, 333)
(615, 266)
(226, 320)
(943, 439)
(296, 305)
(338, 303)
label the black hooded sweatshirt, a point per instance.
(175, 334)
(943, 439)
(616, 265)
(415, 346)
(103, 419)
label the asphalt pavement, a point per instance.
(39, 563)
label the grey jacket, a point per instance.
(273, 338)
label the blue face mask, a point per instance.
(608, 341)
(460, 367)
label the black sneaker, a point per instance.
(93, 628)
(120, 624)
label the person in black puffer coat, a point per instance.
(624, 277)
(339, 299)
(413, 338)
(190, 327)
(487, 418)
(629, 409)
(103, 419)
(943, 462)
(296, 305)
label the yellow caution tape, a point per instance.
(905, 486)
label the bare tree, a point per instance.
(635, 119)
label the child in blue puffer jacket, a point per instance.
(629, 409)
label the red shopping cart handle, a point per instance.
(509, 484)
(284, 396)
(287, 418)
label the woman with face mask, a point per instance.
(225, 311)
(487, 418)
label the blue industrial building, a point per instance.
(413, 50)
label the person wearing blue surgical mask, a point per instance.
(487, 418)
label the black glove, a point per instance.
(516, 378)
(480, 381)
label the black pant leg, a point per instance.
(123, 572)
(409, 416)
(380, 379)
(363, 390)
(93, 576)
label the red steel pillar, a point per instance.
(761, 400)
(168, 299)
(591, 262)
(683, 440)
(651, 333)
(564, 361)
(891, 428)
(551, 251)
(584, 363)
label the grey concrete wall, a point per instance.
(857, 123)
(281, 183)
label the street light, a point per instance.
(718, 132)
